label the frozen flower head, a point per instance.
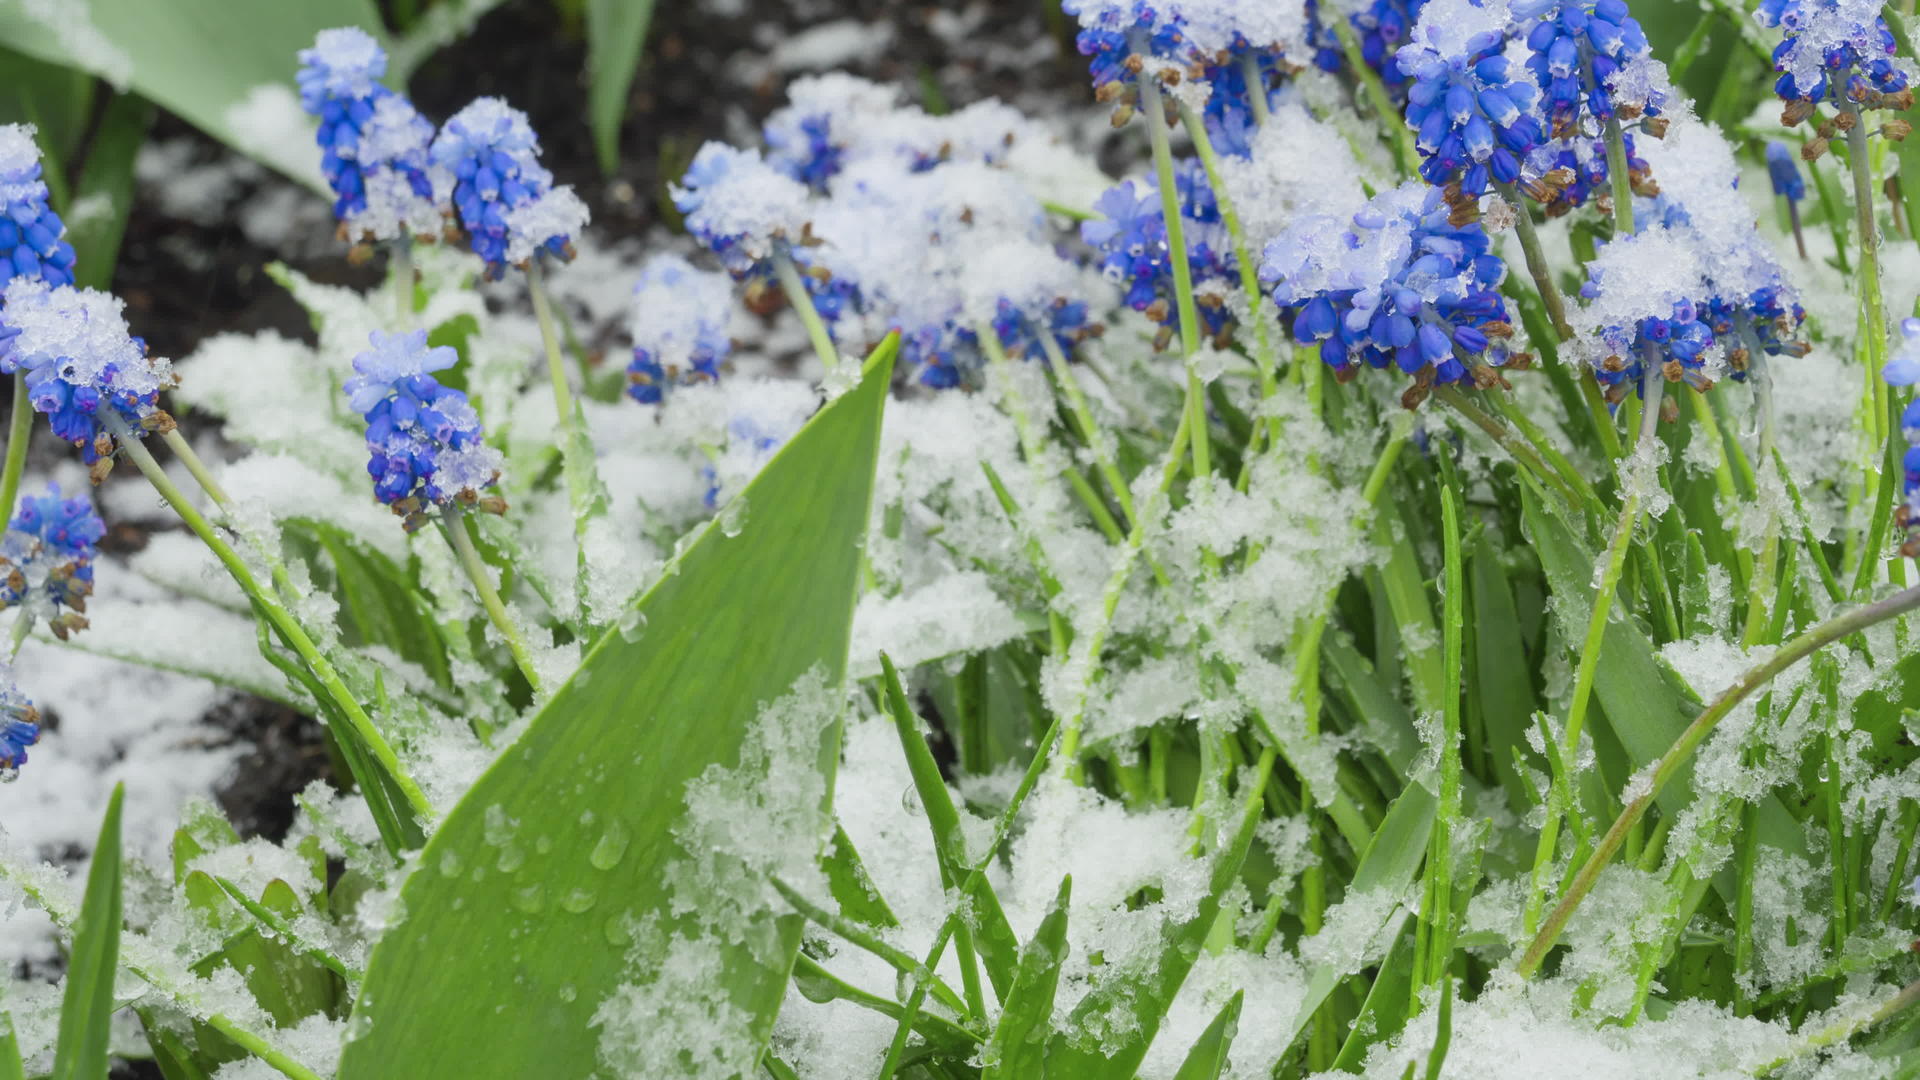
(1565, 174)
(1397, 285)
(739, 206)
(46, 559)
(19, 724)
(31, 234)
(1130, 238)
(373, 144)
(1208, 45)
(1579, 49)
(1834, 51)
(1904, 370)
(1643, 311)
(1471, 107)
(810, 137)
(424, 441)
(679, 326)
(84, 371)
(506, 200)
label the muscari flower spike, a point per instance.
(1398, 285)
(1578, 47)
(1472, 110)
(1565, 174)
(507, 201)
(1833, 51)
(373, 143)
(19, 724)
(46, 559)
(679, 327)
(424, 441)
(32, 240)
(1131, 239)
(81, 365)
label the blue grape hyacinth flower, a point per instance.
(1473, 110)
(373, 143)
(507, 201)
(81, 364)
(425, 444)
(1130, 238)
(1398, 285)
(46, 559)
(19, 724)
(679, 327)
(1578, 48)
(32, 237)
(1834, 50)
(1381, 28)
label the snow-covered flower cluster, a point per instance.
(1135, 251)
(1398, 285)
(373, 143)
(19, 724)
(1473, 108)
(46, 559)
(393, 176)
(679, 327)
(1834, 51)
(32, 237)
(425, 444)
(84, 371)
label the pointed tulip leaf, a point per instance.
(1019, 1042)
(86, 1013)
(535, 890)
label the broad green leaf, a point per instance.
(616, 30)
(1384, 1012)
(86, 1012)
(1208, 1058)
(534, 927)
(103, 198)
(1018, 1046)
(225, 67)
(379, 602)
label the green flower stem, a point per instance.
(1872, 345)
(1440, 880)
(550, 342)
(19, 433)
(454, 525)
(1760, 584)
(183, 450)
(1602, 419)
(1723, 472)
(1652, 390)
(401, 268)
(1256, 88)
(802, 303)
(1263, 354)
(283, 621)
(1834, 629)
(1002, 367)
(1405, 153)
(1154, 112)
(1619, 178)
(1536, 256)
(1062, 368)
(279, 926)
(64, 917)
(1502, 435)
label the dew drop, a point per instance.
(511, 857)
(633, 623)
(449, 863)
(579, 901)
(734, 518)
(530, 898)
(617, 933)
(611, 848)
(568, 993)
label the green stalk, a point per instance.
(19, 432)
(401, 255)
(855, 934)
(1617, 176)
(1263, 355)
(183, 450)
(1405, 153)
(801, 301)
(1834, 629)
(1016, 402)
(1256, 88)
(1842, 1030)
(269, 605)
(454, 525)
(1448, 811)
(1873, 335)
(1536, 255)
(1760, 584)
(1154, 112)
(550, 342)
(1652, 390)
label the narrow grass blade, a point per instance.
(10, 1067)
(1208, 1058)
(1018, 1046)
(86, 1013)
(616, 30)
